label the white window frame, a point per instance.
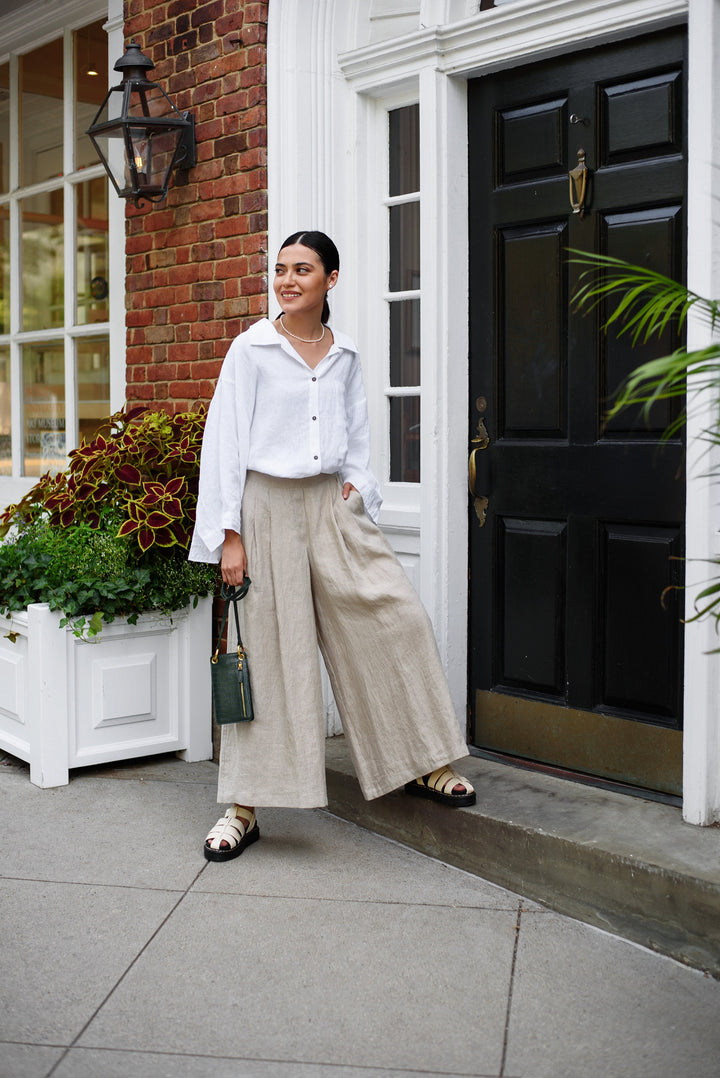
(21, 32)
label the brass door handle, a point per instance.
(481, 441)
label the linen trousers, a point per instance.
(323, 574)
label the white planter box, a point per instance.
(137, 690)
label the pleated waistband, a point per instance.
(291, 484)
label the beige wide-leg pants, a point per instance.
(323, 573)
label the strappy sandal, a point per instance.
(439, 785)
(238, 827)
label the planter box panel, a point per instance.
(125, 693)
(13, 711)
(135, 691)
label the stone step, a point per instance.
(627, 865)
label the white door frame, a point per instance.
(332, 132)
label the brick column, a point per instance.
(196, 262)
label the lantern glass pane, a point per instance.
(153, 156)
(148, 99)
(44, 407)
(91, 79)
(41, 115)
(42, 260)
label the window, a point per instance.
(54, 265)
(403, 295)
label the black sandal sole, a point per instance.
(228, 855)
(451, 800)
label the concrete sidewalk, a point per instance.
(324, 951)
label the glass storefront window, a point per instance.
(4, 270)
(4, 128)
(91, 80)
(93, 383)
(42, 260)
(5, 413)
(43, 367)
(41, 113)
(92, 251)
(55, 260)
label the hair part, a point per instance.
(326, 251)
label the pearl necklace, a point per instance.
(315, 340)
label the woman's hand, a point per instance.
(346, 490)
(233, 564)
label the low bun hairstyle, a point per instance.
(326, 251)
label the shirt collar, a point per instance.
(263, 332)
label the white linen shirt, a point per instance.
(272, 413)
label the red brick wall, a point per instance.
(196, 262)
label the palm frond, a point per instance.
(647, 301)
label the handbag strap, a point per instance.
(231, 595)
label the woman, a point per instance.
(287, 496)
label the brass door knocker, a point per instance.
(578, 177)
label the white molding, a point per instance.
(523, 31)
(701, 779)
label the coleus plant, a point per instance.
(141, 476)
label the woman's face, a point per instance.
(301, 281)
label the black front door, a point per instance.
(575, 642)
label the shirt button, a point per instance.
(314, 417)
(315, 458)
(314, 379)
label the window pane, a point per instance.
(42, 260)
(4, 127)
(404, 439)
(92, 251)
(91, 79)
(4, 270)
(405, 343)
(41, 96)
(44, 400)
(405, 150)
(405, 247)
(5, 418)
(93, 379)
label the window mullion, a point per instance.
(17, 423)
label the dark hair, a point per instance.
(326, 251)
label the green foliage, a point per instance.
(645, 304)
(109, 536)
(144, 473)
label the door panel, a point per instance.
(574, 659)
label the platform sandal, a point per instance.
(439, 785)
(238, 827)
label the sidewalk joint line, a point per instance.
(510, 990)
(123, 975)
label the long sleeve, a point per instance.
(356, 468)
(224, 456)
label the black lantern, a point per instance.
(138, 133)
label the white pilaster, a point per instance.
(701, 771)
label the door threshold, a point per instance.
(577, 776)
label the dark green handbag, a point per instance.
(231, 695)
